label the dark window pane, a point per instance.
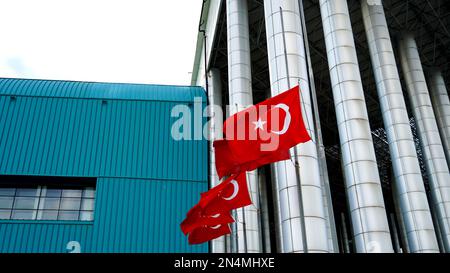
(23, 214)
(70, 203)
(86, 215)
(71, 193)
(27, 192)
(6, 202)
(89, 192)
(25, 202)
(53, 193)
(87, 204)
(49, 203)
(68, 215)
(47, 215)
(5, 214)
(7, 191)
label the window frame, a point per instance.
(42, 184)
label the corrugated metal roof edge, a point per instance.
(194, 90)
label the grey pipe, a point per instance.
(411, 190)
(240, 97)
(286, 183)
(215, 98)
(344, 234)
(435, 162)
(363, 188)
(441, 106)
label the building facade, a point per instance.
(92, 167)
(374, 78)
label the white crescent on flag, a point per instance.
(287, 119)
(235, 190)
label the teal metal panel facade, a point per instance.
(118, 133)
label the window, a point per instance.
(47, 201)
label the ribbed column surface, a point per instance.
(365, 199)
(288, 70)
(431, 144)
(215, 100)
(441, 106)
(411, 194)
(240, 96)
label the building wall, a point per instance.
(146, 181)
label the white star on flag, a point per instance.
(259, 124)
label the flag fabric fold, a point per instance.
(207, 233)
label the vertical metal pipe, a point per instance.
(410, 188)
(344, 234)
(215, 129)
(363, 188)
(395, 235)
(285, 182)
(326, 192)
(264, 207)
(441, 106)
(240, 94)
(431, 144)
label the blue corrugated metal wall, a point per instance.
(119, 133)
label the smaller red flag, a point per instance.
(196, 218)
(206, 233)
(230, 194)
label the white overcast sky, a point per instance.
(141, 41)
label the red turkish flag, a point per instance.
(206, 233)
(261, 134)
(196, 217)
(230, 194)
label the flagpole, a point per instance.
(296, 165)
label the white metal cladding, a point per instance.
(441, 106)
(215, 98)
(365, 198)
(240, 96)
(286, 183)
(435, 162)
(410, 193)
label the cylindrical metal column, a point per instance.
(441, 106)
(363, 188)
(435, 162)
(240, 94)
(287, 187)
(215, 130)
(326, 192)
(411, 190)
